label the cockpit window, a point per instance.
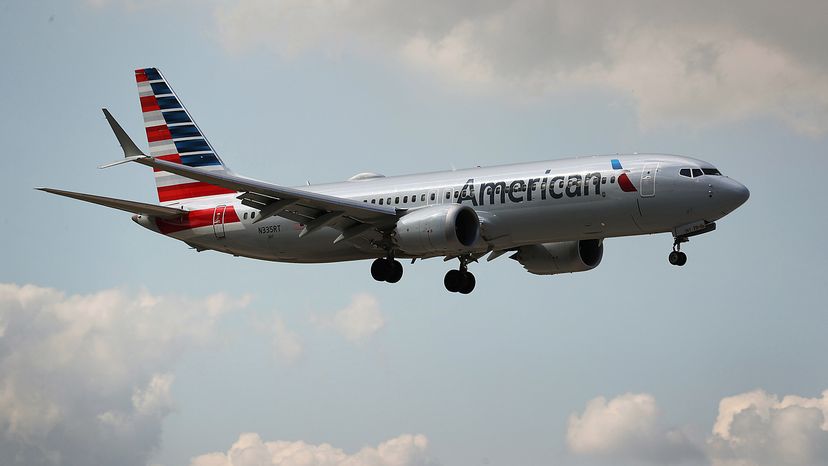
(697, 172)
(685, 172)
(711, 171)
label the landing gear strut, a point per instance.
(677, 257)
(387, 270)
(460, 281)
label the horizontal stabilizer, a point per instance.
(127, 206)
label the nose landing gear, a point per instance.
(387, 270)
(677, 257)
(461, 280)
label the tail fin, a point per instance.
(173, 136)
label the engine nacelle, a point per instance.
(565, 257)
(438, 230)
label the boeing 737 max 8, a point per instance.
(551, 217)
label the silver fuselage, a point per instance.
(518, 204)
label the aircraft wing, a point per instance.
(314, 210)
(121, 204)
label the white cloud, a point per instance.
(689, 63)
(250, 450)
(627, 428)
(358, 321)
(757, 429)
(84, 379)
(752, 429)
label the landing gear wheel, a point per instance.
(674, 257)
(395, 272)
(381, 269)
(453, 280)
(468, 283)
(677, 258)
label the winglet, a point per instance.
(129, 147)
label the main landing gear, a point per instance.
(677, 257)
(387, 270)
(460, 281)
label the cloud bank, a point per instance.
(250, 450)
(752, 429)
(678, 63)
(85, 379)
(627, 427)
(758, 428)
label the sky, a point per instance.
(119, 346)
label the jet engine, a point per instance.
(438, 230)
(565, 257)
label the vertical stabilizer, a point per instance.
(173, 136)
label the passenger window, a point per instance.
(685, 172)
(365, 200)
(373, 201)
(381, 201)
(245, 215)
(612, 179)
(456, 194)
(603, 180)
(397, 200)
(252, 214)
(405, 199)
(448, 195)
(697, 172)
(388, 201)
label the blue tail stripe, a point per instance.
(160, 88)
(200, 160)
(176, 117)
(194, 145)
(152, 74)
(166, 103)
(186, 131)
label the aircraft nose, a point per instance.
(736, 194)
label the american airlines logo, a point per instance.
(555, 187)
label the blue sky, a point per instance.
(118, 346)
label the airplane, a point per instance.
(550, 216)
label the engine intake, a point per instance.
(564, 257)
(438, 230)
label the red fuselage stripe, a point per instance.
(195, 219)
(189, 190)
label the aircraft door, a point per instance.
(648, 179)
(218, 221)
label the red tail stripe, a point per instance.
(174, 158)
(141, 76)
(149, 104)
(189, 190)
(158, 133)
(195, 219)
